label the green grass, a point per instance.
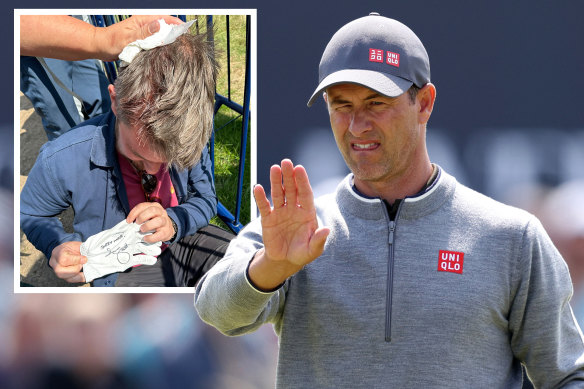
(227, 148)
(228, 123)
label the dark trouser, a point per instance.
(183, 263)
(54, 104)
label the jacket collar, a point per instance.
(412, 207)
(103, 145)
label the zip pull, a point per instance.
(391, 230)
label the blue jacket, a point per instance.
(80, 168)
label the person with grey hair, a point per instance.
(144, 164)
(402, 277)
(59, 74)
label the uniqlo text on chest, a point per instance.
(450, 261)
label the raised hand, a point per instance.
(290, 230)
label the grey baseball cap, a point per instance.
(376, 52)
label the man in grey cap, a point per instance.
(402, 277)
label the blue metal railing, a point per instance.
(232, 220)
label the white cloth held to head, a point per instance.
(116, 250)
(166, 35)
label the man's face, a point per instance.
(127, 143)
(141, 156)
(378, 136)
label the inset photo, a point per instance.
(136, 146)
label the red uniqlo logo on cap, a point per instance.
(375, 55)
(392, 58)
(450, 261)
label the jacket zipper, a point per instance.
(389, 295)
(389, 291)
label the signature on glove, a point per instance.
(117, 249)
(121, 253)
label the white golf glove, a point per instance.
(117, 249)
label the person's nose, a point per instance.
(360, 123)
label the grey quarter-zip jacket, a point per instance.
(457, 292)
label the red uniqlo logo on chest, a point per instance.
(450, 261)
(375, 55)
(392, 59)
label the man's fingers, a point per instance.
(68, 272)
(305, 195)
(316, 244)
(276, 186)
(151, 217)
(161, 228)
(171, 19)
(144, 212)
(149, 24)
(153, 224)
(159, 236)
(150, 29)
(136, 211)
(289, 182)
(261, 200)
(70, 259)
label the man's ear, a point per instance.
(426, 98)
(325, 97)
(112, 92)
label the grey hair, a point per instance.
(168, 94)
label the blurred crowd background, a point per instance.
(503, 125)
(124, 341)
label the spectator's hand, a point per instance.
(152, 217)
(114, 38)
(290, 230)
(65, 37)
(67, 262)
